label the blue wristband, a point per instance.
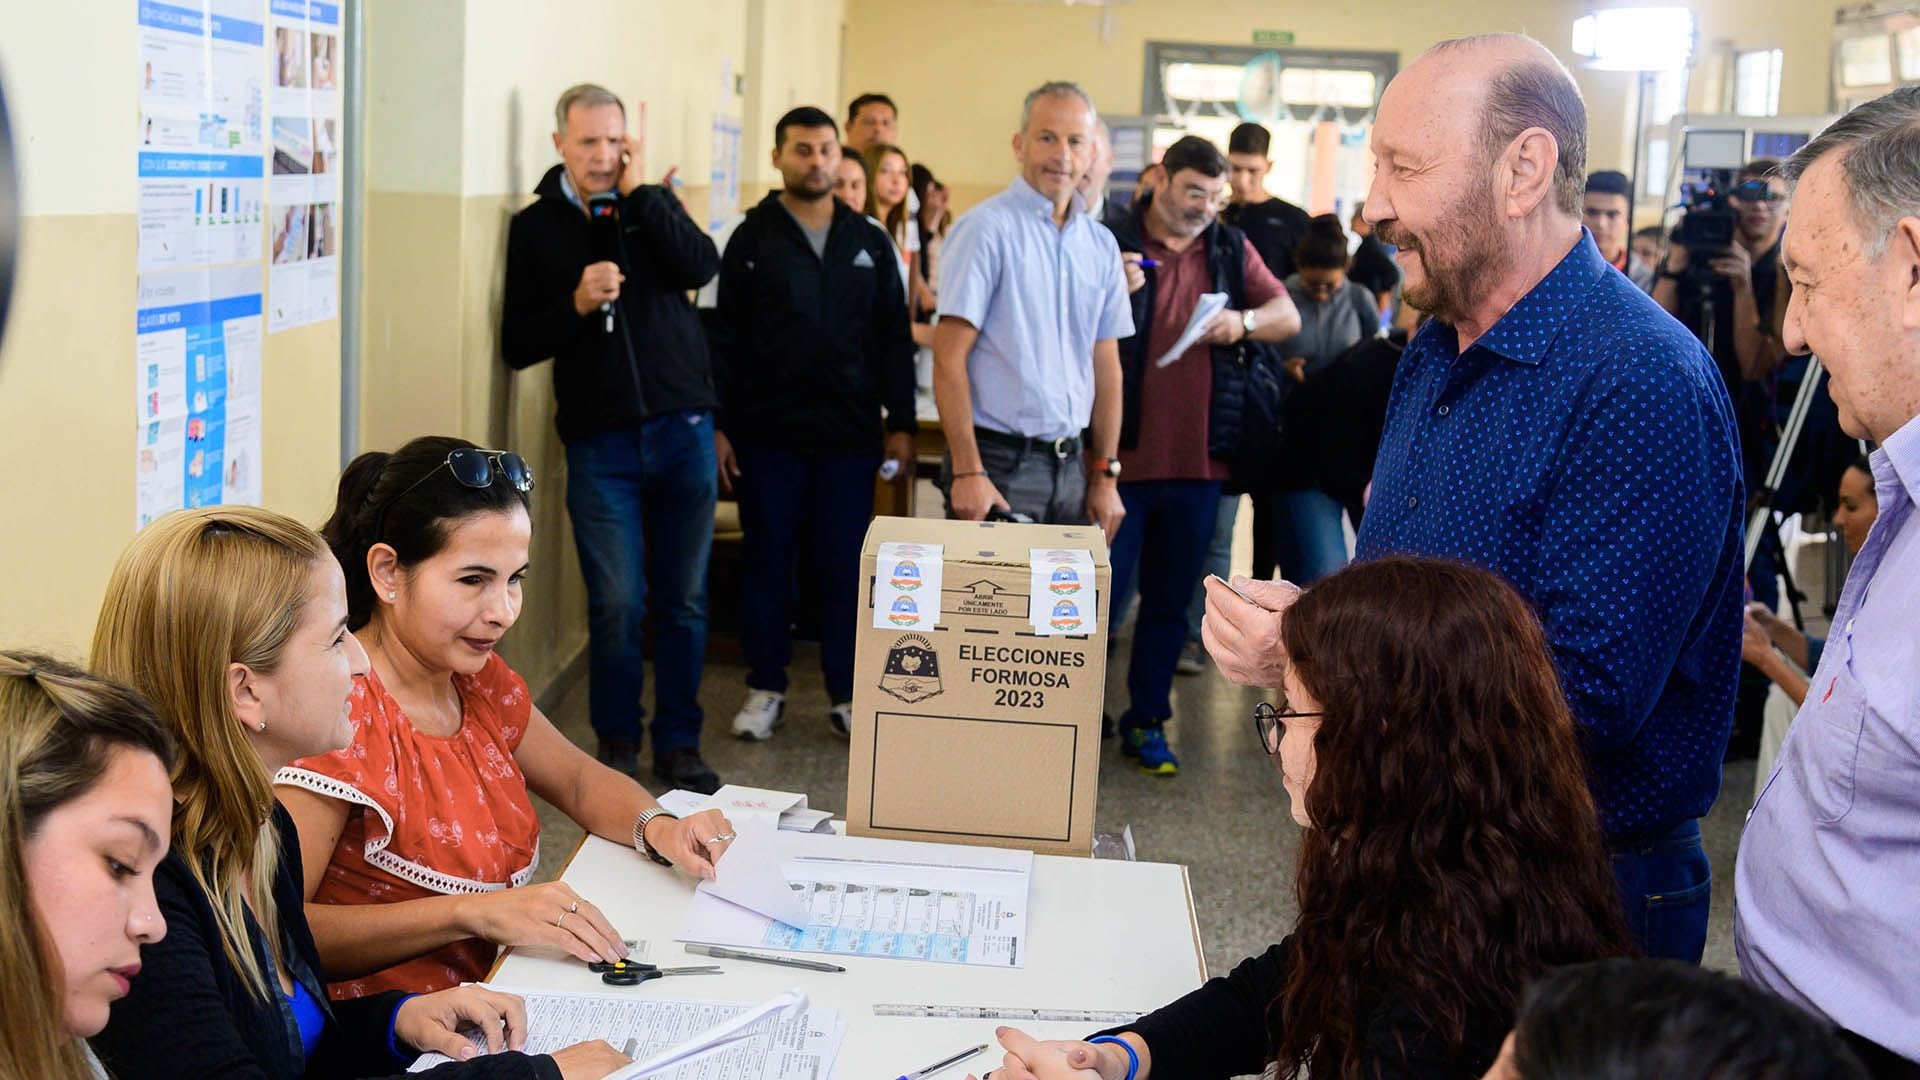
(1133, 1058)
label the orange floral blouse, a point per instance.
(428, 815)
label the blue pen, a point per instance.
(1150, 262)
(945, 1063)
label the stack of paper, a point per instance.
(739, 803)
(859, 896)
(778, 1039)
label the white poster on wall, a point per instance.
(197, 339)
(723, 193)
(199, 137)
(303, 224)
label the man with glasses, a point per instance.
(598, 271)
(1175, 447)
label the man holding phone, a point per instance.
(598, 271)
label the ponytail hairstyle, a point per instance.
(1323, 246)
(409, 501)
(59, 729)
(196, 592)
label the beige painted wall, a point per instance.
(461, 130)
(958, 68)
(66, 368)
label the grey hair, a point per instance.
(1055, 88)
(1880, 141)
(1534, 92)
(586, 95)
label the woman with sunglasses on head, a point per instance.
(419, 838)
(231, 621)
(1452, 851)
(84, 806)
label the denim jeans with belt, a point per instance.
(641, 498)
(1665, 885)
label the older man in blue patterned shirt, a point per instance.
(1553, 424)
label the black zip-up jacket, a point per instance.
(655, 362)
(809, 348)
(191, 1014)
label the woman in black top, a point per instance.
(232, 622)
(1452, 851)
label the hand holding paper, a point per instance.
(1210, 304)
(751, 875)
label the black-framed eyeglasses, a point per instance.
(1269, 723)
(476, 468)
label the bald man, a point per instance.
(1553, 424)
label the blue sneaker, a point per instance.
(1148, 745)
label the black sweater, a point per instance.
(655, 361)
(1221, 1030)
(810, 347)
(1274, 226)
(192, 1014)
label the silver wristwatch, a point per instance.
(1248, 320)
(640, 833)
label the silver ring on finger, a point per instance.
(573, 907)
(723, 838)
(562, 918)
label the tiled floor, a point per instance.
(1225, 815)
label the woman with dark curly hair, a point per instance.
(1452, 851)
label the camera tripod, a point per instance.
(1763, 525)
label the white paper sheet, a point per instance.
(781, 1038)
(738, 801)
(881, 898)
(1210, 304)
(750, 873)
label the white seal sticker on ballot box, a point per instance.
(906, 586)
(1063, 595)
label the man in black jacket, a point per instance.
(812, 340)
(606, 298)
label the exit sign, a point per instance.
(1273, 37)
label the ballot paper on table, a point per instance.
(789, 808)
(862, 896)
(781, 1038)
(1210, 304)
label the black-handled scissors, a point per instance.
(633, 972)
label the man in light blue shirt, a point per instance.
(1827, 887)
(1033, 302)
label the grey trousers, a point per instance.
(1049, 489)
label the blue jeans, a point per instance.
(641, 499)
(1299, 530)
(788, 501)
(1219, 562)
(1164, 536)
(1665, 884)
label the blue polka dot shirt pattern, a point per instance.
(1585, 449)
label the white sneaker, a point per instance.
(760, 715)
(840, 719)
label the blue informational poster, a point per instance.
(197, 336)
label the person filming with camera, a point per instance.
(1733, 301)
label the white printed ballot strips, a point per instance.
(810, 892)
(981, 653)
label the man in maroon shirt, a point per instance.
(1178, 422)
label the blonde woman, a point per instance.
(232, 622)
(83, 822)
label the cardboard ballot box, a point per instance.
(980, 666)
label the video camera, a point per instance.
(1707, 228)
